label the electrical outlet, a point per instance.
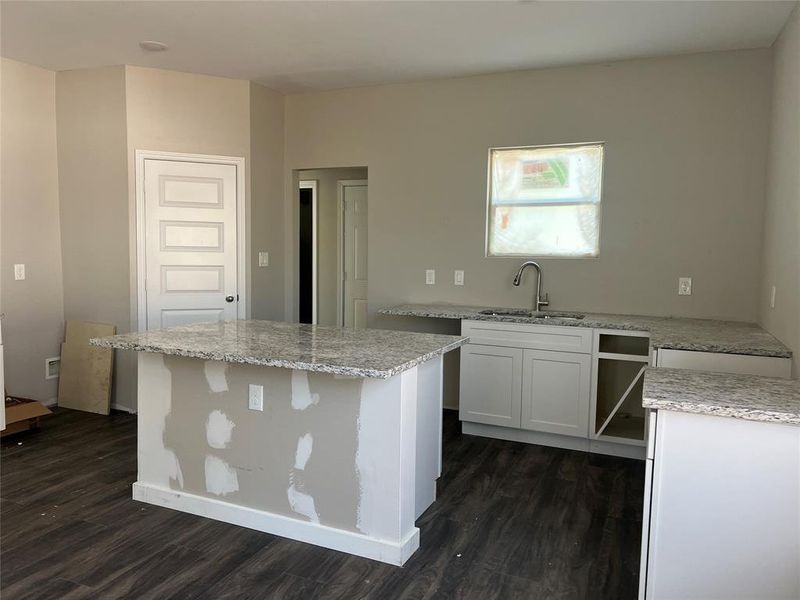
(19, 272)
(458, 279)
(255, 400)
(263, 259)
(685, 286)
(772, 297)
(430, 277)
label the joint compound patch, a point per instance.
(302, 503)
(302, 397)
(221, 479)
(305, 443)
(216, 375)
(219, 429)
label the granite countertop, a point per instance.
(373, 353)
(706, 335)
(750, 397)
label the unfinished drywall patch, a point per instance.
(158, 464)
(302, 397)
(221, 479)
(282, 457)
(304, 446)
(216, 375)
(219, 429)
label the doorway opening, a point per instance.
(332, 265)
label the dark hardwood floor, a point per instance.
(511, 521)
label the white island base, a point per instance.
(348, 463)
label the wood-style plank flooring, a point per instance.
(512, 521)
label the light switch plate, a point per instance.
(458, 278)
(430, 276)
(19, 272)
(263, 259)
(685, 286)
(255, 400)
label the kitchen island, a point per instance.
(325, 435)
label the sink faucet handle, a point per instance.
(544, 301)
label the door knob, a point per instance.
(228, 298)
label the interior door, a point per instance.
(190, 231)
(354, 273)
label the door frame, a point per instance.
(241, 225)
(340, 185)
(311, 184)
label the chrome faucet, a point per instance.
(538, 301)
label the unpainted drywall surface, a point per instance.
(266, 214)
(781, 253)
(296, 458)
(327, 234)
(683, 195)
(33, 326)
(94, 211)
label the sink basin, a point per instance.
(519, 312)
(507, 312)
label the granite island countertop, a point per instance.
(674, 333)
(750, 397)
(372, 353)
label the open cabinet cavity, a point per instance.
(620, 359)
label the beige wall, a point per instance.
(33, 326)
(93, 193)
(327, 233)
(683, 191)
(266, 224)
(781, 256)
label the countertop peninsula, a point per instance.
(374, 353)
(674, 333)
(750, 397)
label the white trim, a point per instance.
(340, 185)
(311, 184)
(303, 531)
(553, 440)
(242, 307)
(121, 408)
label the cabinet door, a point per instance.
(491, 385)
(555, 392)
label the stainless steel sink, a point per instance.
(529, 314)
(507, 312)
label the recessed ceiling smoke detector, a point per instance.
(152, 46)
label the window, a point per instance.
(545, 201)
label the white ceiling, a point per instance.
(300, 46)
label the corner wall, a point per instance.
(33, 325)
(781, 252)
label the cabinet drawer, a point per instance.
(523, 335)
(767, 366)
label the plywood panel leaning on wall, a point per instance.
(85, 377)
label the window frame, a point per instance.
(488, 212)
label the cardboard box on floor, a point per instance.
(23, 414)
(84, 379)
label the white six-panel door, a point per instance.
(190, 215)
(353, 196)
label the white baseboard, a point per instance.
(303, 531)
(126, 409)
(50, 402)
(553, 439)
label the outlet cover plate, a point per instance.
(255, 398)
(685, 286)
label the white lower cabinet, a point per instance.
(556, 392)
(491, 385)
(721, 509)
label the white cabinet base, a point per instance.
(553, 439)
